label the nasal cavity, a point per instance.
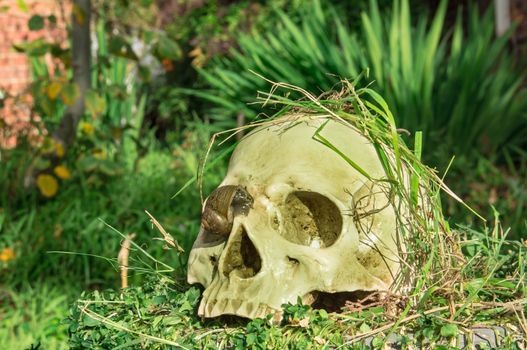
(242, 258)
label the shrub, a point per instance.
(459, 86)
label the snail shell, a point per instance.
(222, 205)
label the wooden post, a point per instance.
(502, 13)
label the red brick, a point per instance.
(14, 67)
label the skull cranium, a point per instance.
(292, 218)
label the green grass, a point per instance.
(161, 312)
(488, 187)
(452, 85)
(461, 277)
(62, 245)
(34, 314)
(70, 222)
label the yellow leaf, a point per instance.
(53, 90)
(87, 128)
(196, 52)
(59, 149)
(95, 104)
(198, 58)
(62, 172)
(99, 154)
(47, 185)
(320, 340)
(7, 254)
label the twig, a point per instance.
(167, 237)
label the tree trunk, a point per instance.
(81, 57)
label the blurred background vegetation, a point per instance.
(165, 75)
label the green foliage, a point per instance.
(159, 304)
(34, 315)
(168, 48)
(160, 314)
(295, 312)
(117, 98)
(201, 31)
(52, 248)
(489, 187)
(36, 22)
(451, 89)
(209, 29)
(110, 136)
(62, 246)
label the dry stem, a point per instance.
(166, 236)
(122, 259)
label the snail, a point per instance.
(223, 204)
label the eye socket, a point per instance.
(311, 219)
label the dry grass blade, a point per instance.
(509, 306)
(166, 236)
(85, 310)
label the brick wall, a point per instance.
(14, 67)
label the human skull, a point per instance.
(292, 218)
